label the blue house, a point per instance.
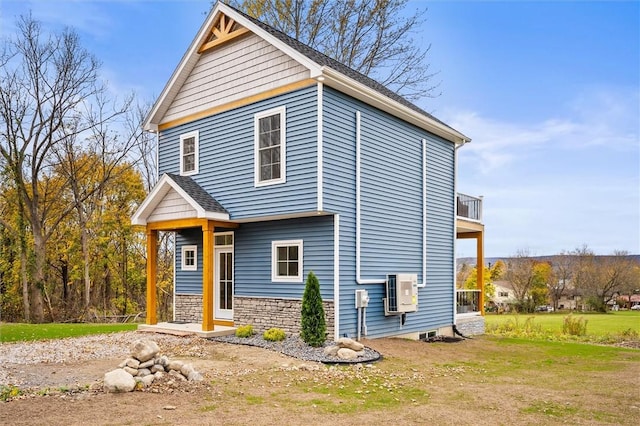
(275, 161)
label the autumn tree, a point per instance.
(374, 37)
(528, 278)
(48, 85)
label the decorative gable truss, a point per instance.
(224, 29)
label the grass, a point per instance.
(601, 328)
(17, 332)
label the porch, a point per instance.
(469, 226)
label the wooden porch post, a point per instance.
(152, 264)
(208, 260)
(480, 268)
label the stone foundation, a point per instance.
(471, 326)
(264, 313)
(188, 308)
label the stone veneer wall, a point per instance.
(188, 308)
(264, 313)
(471, 326)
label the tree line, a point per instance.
(598, 281)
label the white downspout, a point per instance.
(424, 215)
(336, 276)
(455, 224)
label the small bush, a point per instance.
(8, 392)
(244, 331)
(313, 325)
(274, 335)
(574, 326)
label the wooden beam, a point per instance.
(480, 269)
(208, 265)
(152, 264)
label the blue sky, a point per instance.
(549, 91)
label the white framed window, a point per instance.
(270, 147)
(189, 153)
(286, 261)
(189, 258)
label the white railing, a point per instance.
(467, 301)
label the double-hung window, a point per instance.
(189, 153)
(270, 147)
(286, 261)
(189, 258)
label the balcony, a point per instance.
(468, 301)
(469, 208)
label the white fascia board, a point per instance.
(372, 97)
(216, 216)
(150, 202)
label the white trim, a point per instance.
(196, 146)
(157, 194)
(274, 261)
(221, 234)
(283, 146)
(320, 148)
(359, 279)
(336, 276)
(455, 233)
(183, 265)
(217, 311)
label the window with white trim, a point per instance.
(189, 258)
(286, 261)
(270, 147)
(189, 153)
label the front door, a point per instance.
(223, 294)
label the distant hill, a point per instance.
(492, 260)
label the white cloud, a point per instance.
(598, 117)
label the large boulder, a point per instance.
(144, 350)
(118, 381)
(345, 342)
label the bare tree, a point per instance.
(374, 37)
(562, 275)
(47, 82)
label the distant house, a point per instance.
(274, 161)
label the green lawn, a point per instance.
(14, 332)
(598, 325)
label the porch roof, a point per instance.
(193, 201)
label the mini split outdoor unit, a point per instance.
(402, 294)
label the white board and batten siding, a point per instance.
(233, 71)
(172, 206)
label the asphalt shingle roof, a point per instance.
(199, 195)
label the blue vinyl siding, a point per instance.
(188, 282)
(391, 212)
(253, 256)
(226, 167)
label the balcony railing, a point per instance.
(467, 301)
(469, 207)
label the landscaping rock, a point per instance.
(133, 363)
(345, 342)
(175, 365)
(132, 371)
(331, 350)
(146, 364)
(118, 381)
(144, 350)
(347, 354)
(144, 372)
(157, 368)
(187, 369)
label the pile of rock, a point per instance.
(145, 366)
(345, 349)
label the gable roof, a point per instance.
(322, 68)
(205, 205)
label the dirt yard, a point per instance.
(483, 381)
